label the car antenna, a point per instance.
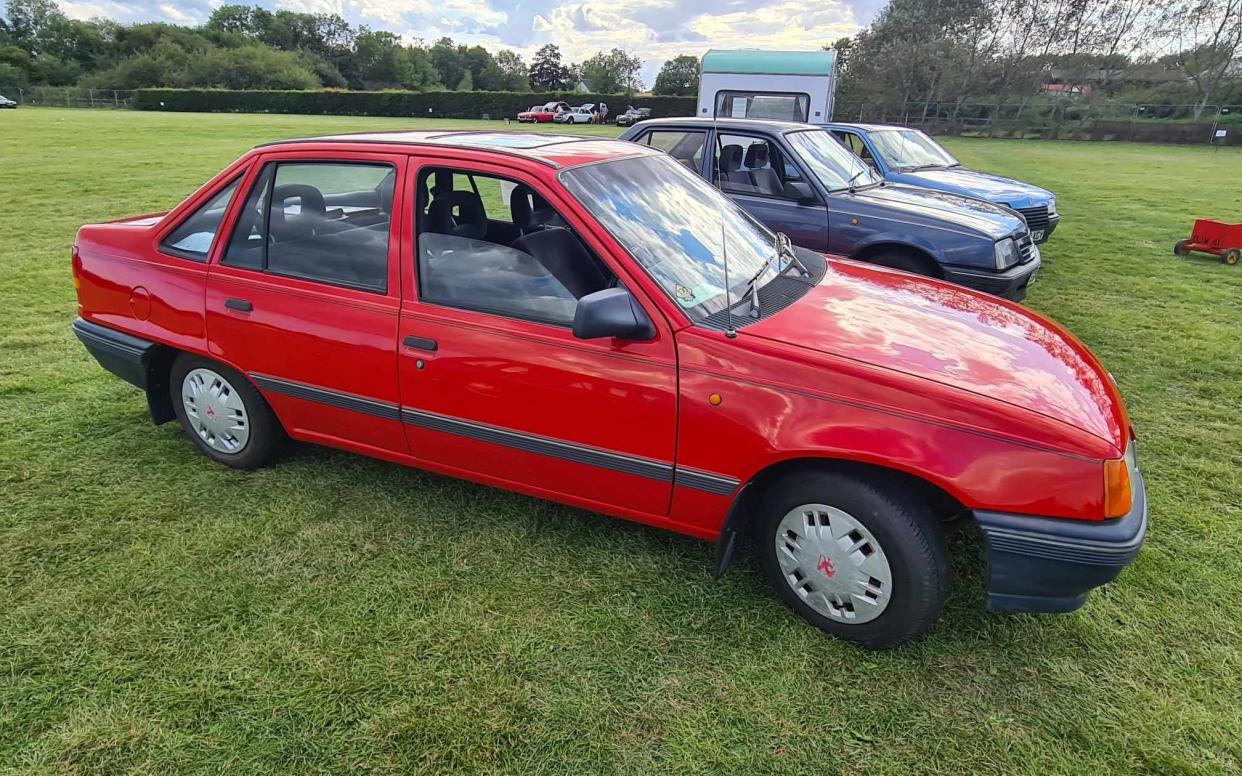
(730, 329)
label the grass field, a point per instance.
(161, 614)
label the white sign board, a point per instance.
(1221, 133)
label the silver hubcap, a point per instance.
(215, 411)
(833, 563)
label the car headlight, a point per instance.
(1006, 253)
(1052, 206)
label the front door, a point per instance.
(305, 296)
(756, 173)
(493, 381)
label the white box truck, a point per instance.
(785, 85)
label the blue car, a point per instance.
(912, 157)
(798, 179)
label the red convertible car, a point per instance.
(589, 322)
(542, 114)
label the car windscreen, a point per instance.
(676, 225)
(910, 149)
(834, 165)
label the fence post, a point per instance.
(91, 95)
(115, 103)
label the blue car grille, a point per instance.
(1036, 217)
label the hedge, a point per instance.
(456, 105)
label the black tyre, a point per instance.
(863, 560)
(1179, 248)
(223, 414)
(907, 261)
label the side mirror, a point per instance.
(800, 192)
(612, 312)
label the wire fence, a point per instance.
(69, 97)
(1060, 119)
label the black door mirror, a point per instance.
(612, 312)
(800, 192)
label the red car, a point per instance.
(557, 316)
(542, 114)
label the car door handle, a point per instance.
(420, 343)
(241, 305)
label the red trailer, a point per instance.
(1214, 237)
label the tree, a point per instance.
(1215, 31)
(547, 73)
(678, 76)
(516, 76)
(614, 72)
(466, 84)
(449, 61)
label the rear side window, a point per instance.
(193, 237)
(321, 221)
(684, 146)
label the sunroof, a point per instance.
(505, 140)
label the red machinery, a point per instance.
(1214, 237)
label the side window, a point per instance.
(321, 221)
(856, 144)
(192, 238)
(684, 146)
(756, 105)
(529, 265)
(753, 166)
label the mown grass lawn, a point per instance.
(160, 614)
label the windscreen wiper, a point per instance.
(784, 247)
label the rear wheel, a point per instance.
(862, 560)
(1231, 256)
(1180, 249)
(223, 414)
(908, 261)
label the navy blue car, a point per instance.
(798, 179)
(912, 157)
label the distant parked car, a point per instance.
(5, 102)
(800, 180)
(912, 157)
(542, 114)
(632, 116)
(583, 114)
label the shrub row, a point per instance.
(457, 105)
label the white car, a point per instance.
(583, 114)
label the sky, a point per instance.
(655, 30)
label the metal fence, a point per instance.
(69, 97)
(1059, 119)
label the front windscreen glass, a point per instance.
(910, 149)
(833, 164)
(676, 225)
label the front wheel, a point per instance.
(1231, 256)
(863, 560)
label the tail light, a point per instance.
(1117, 496)
(77, 269)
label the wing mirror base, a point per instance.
(613, 312)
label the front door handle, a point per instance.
(420, 343)
(241, 305)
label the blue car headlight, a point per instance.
(1052, 206)
(1006, 254)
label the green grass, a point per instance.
(160, 614)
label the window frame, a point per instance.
(183, 215)
(774, 142)
(723, 94)
(429, 167)
(255, 175)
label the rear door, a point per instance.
(754, 170)
(493, 382)
(305, 297)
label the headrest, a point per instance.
(757, 155)
(385, 190)
(731, 158)
(469, 221)
(311, 211)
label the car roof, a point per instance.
(554, 150)
(758, 124)
(864, 127)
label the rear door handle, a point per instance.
(241, 305)
(420, 343)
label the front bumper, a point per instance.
(1046, 564)
(1011, 284)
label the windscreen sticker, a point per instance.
(691, 297)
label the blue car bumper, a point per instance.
(1045, 564)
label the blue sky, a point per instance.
(653, 29)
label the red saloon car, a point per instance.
(558, 316)
(542, 114)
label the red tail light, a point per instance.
(77, 270)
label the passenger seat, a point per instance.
(764, 178)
